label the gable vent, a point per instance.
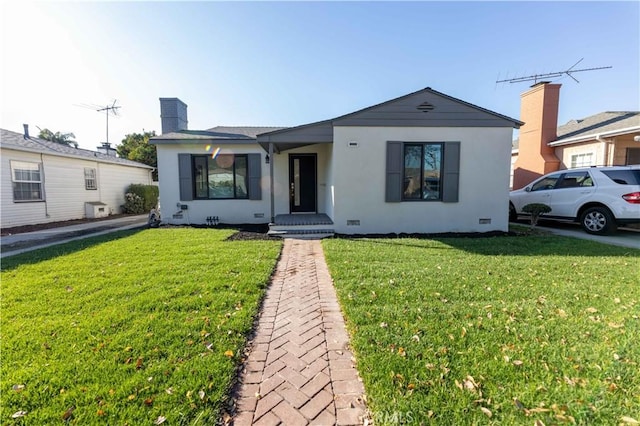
(425, 107)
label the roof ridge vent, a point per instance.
(425, 107)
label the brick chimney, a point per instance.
(539, 112)
(173, 114)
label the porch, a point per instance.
(313, 226)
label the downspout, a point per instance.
(44, 193)
(271, 186)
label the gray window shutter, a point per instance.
(451, 172)
(393, 190)
(185, 175)
(254, 172)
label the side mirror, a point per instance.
(528, 189)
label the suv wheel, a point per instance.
(513, 216)
(598, 220)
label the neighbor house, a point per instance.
(605, 139)
(44, 181)
(421, 163)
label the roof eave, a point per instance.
(77, 157)
(594, 136)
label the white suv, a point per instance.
(600, 198)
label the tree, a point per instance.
(57, 137)
(136, 147)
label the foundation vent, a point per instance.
(353, 222)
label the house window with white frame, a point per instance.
(582, 160)
(90, 181)
(27, 181)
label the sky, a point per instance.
(292, 63)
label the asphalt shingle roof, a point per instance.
(17, 141)
(608, 121)
(603, 122)
(219, 133)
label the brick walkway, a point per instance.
(299, 370)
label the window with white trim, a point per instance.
(27, 181)
(582, 160)
(90, 181)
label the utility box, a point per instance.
(95, 209)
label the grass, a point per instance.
(505, 330)
(128, 328)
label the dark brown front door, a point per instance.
(302, 183)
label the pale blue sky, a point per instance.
(290, 63)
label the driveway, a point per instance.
(624, 237)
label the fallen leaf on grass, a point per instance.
(517, 362)
(100, 413)
(228, 354)
(169, 391)
(68, 414)
(17, 388)
(160, 420)
(148, 402)
(519, 405)
(201, 395)
(18, 414)
(139, 364)
(486, 411)
(629, 420)
(591, 310)
(539, 423)
(384, 325)
(402, 352)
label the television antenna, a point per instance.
(556, 74)
(111, 109)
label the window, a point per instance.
(623, 177)
(633, 156)
(222, 177)
(575, 180)
(90, 181)
(582, 160)
(27, 181)
(421, 171)
(548, 182)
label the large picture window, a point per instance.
(27, 181)
(422, 171)
(222, 177)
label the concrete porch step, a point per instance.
(296, 232)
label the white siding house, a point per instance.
(421, 163)
(44, 181)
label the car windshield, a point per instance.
(624, 177)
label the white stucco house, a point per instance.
(45, 182)
(421, 163)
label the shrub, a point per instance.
(536, 210)
(133, 204)
(148, 193)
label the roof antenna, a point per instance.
(536, 77)
(108, 110)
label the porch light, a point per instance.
(266, 159)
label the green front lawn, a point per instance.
(507, 330)
(131, 328)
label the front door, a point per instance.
(302, 183)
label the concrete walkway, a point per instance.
(299, 370)
(19, 243)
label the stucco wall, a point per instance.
(359, 181)
(64, 188)
(228, 211)
(564, 153)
